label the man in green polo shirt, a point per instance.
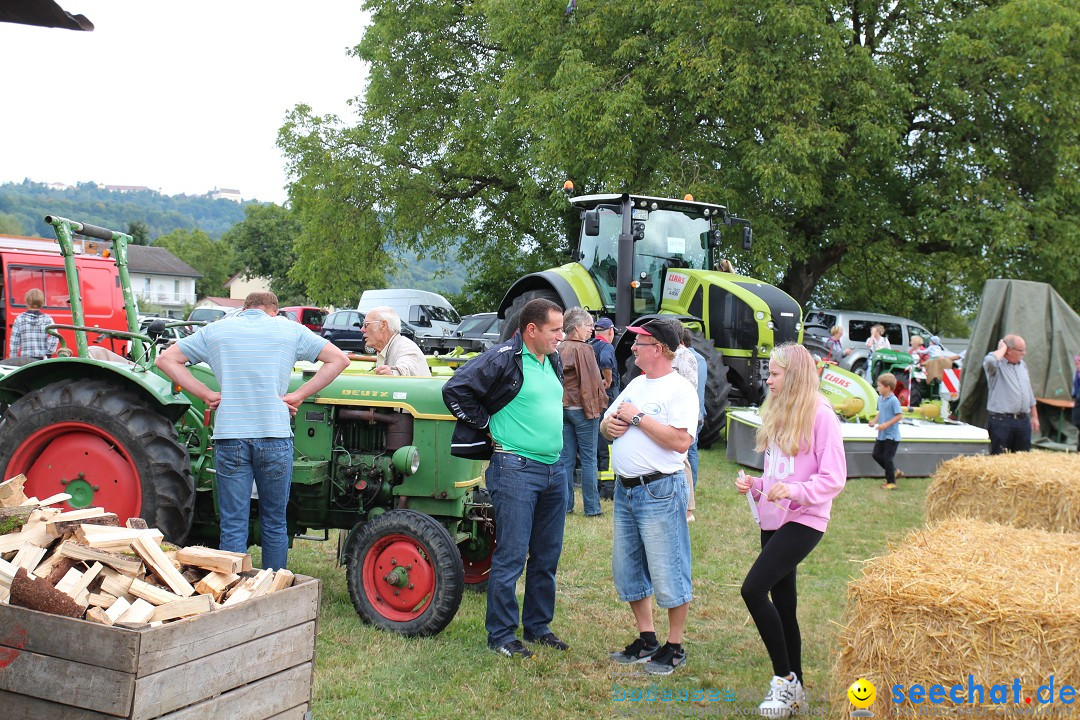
(508, 402)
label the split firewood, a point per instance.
(113, 538)
(96, 614)
(114, 583)
(29, 557)
(31, 534)
(36, 594)
(11, 491)
(117, 609)
(84, 582)
(156, 560)
(184, 607)
(215, 584)
(136, 523)
(61, 527)
(152, 593)
(55, 567)
(251, 588)
(282, 579)
(139, 612)
(125, 564)
(101, 599)
(54, 499)
(217, 560)
(13, 519)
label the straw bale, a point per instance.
(1039, 490)
(963, 597)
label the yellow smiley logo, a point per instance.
(862, 693)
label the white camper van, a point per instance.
(430, 316)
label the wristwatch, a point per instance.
(636, 420)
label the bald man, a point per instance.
(1010, 402)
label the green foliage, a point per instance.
(213, 258)
(936, 139)
(10, 225)
(157, 214)
(139, 232)
(264, 245)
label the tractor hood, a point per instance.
(420, 397)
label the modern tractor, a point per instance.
(372, 458)
(638, 257)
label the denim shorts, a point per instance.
(651, 548)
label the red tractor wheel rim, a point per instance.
(389, 553)
(84, 459)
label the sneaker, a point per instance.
(513, 649)
(801, 707)
(888, 486)
(550, 639)
(665, 660)
(782, 698)
(636, 652)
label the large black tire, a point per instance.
(510, 324)
(476, 554)
(717, 391)
(428, 596)
(122, 429)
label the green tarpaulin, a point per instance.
(1051, 329)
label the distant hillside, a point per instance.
(29, 202)
(412, 272)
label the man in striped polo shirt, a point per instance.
(252, 356)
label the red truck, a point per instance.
(36, 263)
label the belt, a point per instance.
(1003, 416)
(641, 479)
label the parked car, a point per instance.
(481, 330)
(857, 326)
(205, 314)
(168, 337)
(310, 317)
(343, 328)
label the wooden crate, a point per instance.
(251, 661)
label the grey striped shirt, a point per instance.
(1010, 386)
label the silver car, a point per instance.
(857, 326)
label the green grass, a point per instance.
(363, 672)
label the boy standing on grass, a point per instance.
(888, 425)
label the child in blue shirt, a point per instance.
(887, 423)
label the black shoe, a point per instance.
(665, 661)
(513, 649)
(550, 639)
(636, 652)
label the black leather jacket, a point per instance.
(482, 387)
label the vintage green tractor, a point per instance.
(372, 458)
(639, 256)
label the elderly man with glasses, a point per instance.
(1010, 402)
(653, 422)
(395, 353)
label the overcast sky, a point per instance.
(181, 97)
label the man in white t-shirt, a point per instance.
(653, 422)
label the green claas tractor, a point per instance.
(372, 458)
(638, 257)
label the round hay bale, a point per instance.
(1039, 490)
(963, 598)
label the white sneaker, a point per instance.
(783, 698)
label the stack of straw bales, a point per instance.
(963, 598)
(1038, 490)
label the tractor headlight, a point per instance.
(760, 315)
(407, 460)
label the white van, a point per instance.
(429, 315)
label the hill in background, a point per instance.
(29, 202)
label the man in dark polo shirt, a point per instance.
(1010, 402)
(508, 403)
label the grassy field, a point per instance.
(365, 673)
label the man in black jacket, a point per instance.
(508, 402)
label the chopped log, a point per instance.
(139, 612)
(101, 599)
(112, 538)
(84, 582)
(251, 588)
(193, 575)
(114, 583)
(7, 572)
(152, 593)
(96, 614)
(11, 491)
(60, 527)
(155, 559)
(68, 583)
(136, 524)
(123, 563)
(31, 534)
(282, 579)
(37, 594)
(54, 499)
(117, 609)
(215, 584)
(216, 560)
(14, 518)
(55, 567)
(29, 557)
(184, 607)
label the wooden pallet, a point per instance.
(250, 661)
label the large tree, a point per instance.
(915, 142)
(212, 258)
(264, 247)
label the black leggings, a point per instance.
(774, 571)
(884, 455)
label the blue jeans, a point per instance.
(579, 441)
(1009, 433)
(530, 510)
(268, 463)
(651, 547)
(692, 454)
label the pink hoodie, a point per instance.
(814, 476)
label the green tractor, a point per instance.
(372, 458)
(638, 257)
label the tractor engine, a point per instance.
(366, 460)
